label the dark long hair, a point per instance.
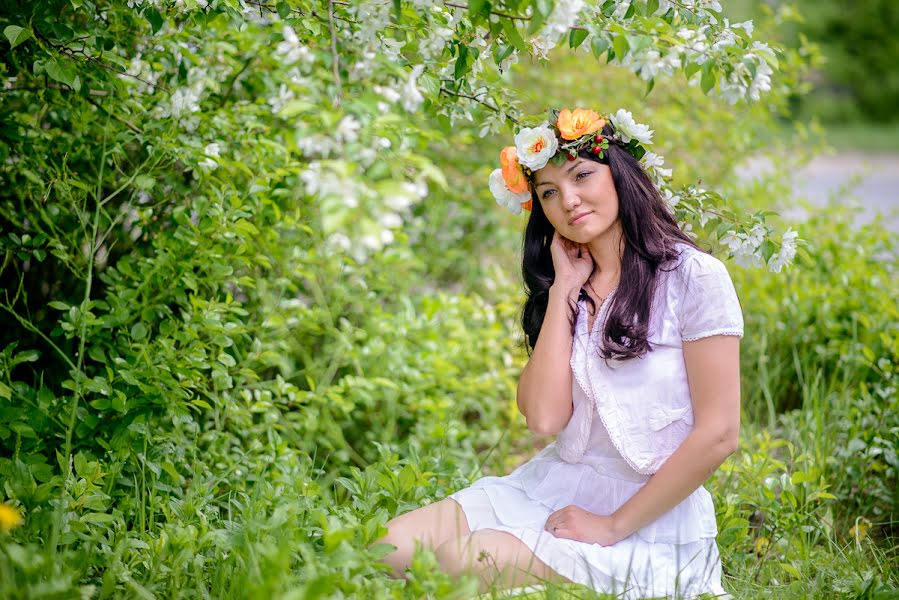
(650, 235)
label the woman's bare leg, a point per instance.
(430, 526)
(499, 559)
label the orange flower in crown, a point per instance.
(579, 122)
(512, 173)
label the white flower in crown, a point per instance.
(627, 129)
(535, 146)
(504, 196)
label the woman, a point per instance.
(634, 364)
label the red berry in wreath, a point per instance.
(572, 156)
(596, 149)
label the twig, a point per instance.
(92, 59)
(492, 12)
(335, 61)
(478, 100)
(124, 122)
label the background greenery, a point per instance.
(201, 395)
(855, 81)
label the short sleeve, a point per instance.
(708, 303)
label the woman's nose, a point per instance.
(570, 199)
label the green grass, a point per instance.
(870, 137)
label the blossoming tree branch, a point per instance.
(346, 95)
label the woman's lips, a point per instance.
(578, 219)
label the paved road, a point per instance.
(877, 191)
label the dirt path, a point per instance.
(877, 192)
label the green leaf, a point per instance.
(295, 107)
(97, 518)
(138, 331)
(576, 37)
(462, 63)
(537, 20)
(27, 356)
(16, 35)
(5, 391)
(478, 11)
(708, 77)
(620, 45)
(501, 52)
(429, 84)
(61, 72)
(58, 305)
(691, 68)
(651, 7)
(513, 35)
(23, 429)
(283, 9)
(154, 18)
(599, 45)
(144, 182)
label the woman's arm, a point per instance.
(544, 388)
(713, 373)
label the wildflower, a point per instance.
(10, 518)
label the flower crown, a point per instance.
(572, 132)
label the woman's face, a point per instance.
(579, 199)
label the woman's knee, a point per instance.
(428, 526)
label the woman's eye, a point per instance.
(578, 176)
(546, 193)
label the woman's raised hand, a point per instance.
(572, 262)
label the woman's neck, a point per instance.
(606, 252)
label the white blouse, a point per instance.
(645, 402)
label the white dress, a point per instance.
(675, 556)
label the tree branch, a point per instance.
(492, 12)
(335, 59)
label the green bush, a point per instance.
(204, 391)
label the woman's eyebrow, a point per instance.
(567, 171)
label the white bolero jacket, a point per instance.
(644, 403)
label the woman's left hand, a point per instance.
(575, 523)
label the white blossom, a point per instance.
(503, 195)
(432, 45)
(412, 98)
(291, 50)
(671, 199)
(348, 129)
(211, 151)
(390, 219)
(781, 259)
(654, 164)
(535, 146)
(563, 16)
(285, 95)
(628, 129)
(390, 94)
(185, 100)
